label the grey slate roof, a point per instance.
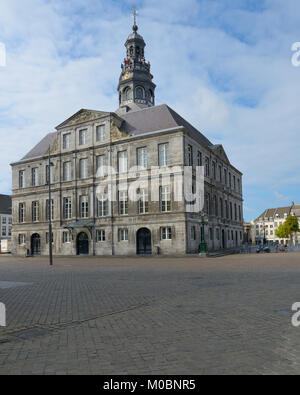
(42, 147)
(5, 204)
(156, 118)
(272, 213)
(137, 121)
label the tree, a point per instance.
(281, 232)
(291, 225)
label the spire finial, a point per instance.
(135, 13)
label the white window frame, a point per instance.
(67, 171)
(67, 212)
(100, 236)
(122, 162)
(166, 233)
(163, 155)
(122, 234)
(83, 137)
(66, 140)
(100, 163)
(165, 198)
(83, 168)
(142, 157)
(100, 133)
(84, 206)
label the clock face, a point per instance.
(126, 75)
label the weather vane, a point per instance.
(135, 13)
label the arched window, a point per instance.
(139, 93)
(151, 96)
(131, 51)
(128, 93)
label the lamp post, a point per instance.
(203, 246)
(49, 208)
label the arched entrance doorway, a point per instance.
(36, 244)
(143, 242)
(82, 244)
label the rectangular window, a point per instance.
(225, 177)
(100, 133)
(84, 206)
(235, 212)
(193, 233)
(234, 185)
(67, 208)
(35, 211)
(142, 160)
(240, 214)
(51, 208)
(230, 180)
(102, 206)
(21, 213)
(123, 234)
(22, 179)
(10, 220)
(207, 169)
(67, 171)
(166, 233)
(143, 204)
(218, 234)
(34, 176)
(83, 168)
(66, 237)
(4, 230)
(100, 165)
(100, 235)
(51, 174)
(83, 137)
(190, 155)
(122, 161)
(164, 157)
(199, 159)
(22, 239)
(214, 166)
(47, 238)
(66, 141)
(165, 198)
(4, 221)
(123, 202)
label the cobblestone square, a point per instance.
(166, 315)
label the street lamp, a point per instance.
(49, 208)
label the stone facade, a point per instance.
(5, 218)
(264, 227)
(137, 134)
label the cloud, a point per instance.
(224, 66)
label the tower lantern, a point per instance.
(135, 84)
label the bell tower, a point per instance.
(135, 84)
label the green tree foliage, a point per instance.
(289, 227)
(291, 224)
(281, 232)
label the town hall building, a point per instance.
(84, 149)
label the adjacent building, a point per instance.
(264, 227)
(87, 146)
(5, 222)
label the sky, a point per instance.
(224, 65)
